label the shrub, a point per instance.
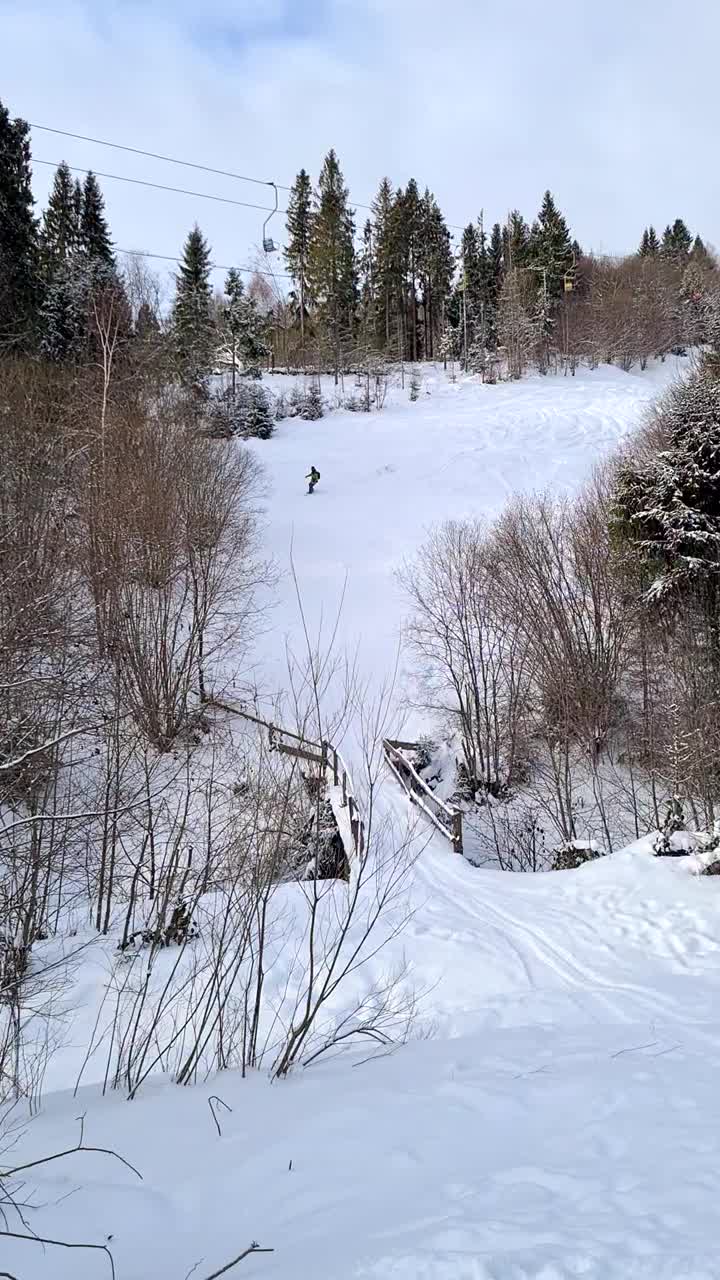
(311, 406)
(573, 855)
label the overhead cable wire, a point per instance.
(188, 164)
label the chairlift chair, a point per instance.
(269, 245)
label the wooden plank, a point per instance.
(298, 752)
(418, 800)
(266, 724)
(447, 810)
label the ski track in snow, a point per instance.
(562, 1123)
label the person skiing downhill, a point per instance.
(312, 478)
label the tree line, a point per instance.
(520, 295)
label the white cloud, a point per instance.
(612, 107)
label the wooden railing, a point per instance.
(331, 766)
(446, 817)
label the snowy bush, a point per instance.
(258, 415)
(311, 405)
(245, 412)
(669, 841)
(574, 854)
(414, 386)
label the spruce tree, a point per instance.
(497, 261)
(19, 248)
(59, 236)
(676, 242)
(297, 253)
(244, 327)
(94, 231)
(668, 506)
(516, 242)
(384, 253)
(194, 332)
(700, 255)
(552, 248)
(66, 316)
(331, 265)
(649, 245)
(436, 266)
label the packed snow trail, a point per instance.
(561, 1122)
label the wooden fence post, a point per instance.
(457, 830)
(345, 797)
(335, 767)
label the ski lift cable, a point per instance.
(188, 164)
(156, 155)
(160, 186)
(214, 266)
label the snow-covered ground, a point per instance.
(556, 1115)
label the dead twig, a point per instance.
(64, 1244)
(254, 1248)
(214, 1098)
(60, 1155)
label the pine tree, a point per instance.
(147, 324)
(78, 206)
(331, 264)
(383, 249)
(194, 332)
(551, 247)
(244, 327)
(94, 231)
(668, 506)
(60, 230)
(66, 316)
(497, 261)
(19, 249)
(297, 253)
(257, 416)
(676, 242)
(649, 245)
(700, 255)
(436, 267)
(516, 242)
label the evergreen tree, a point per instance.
(497, 262)
(649, 245)
(331, 264)
(67, 313)
(436, 266)
(60, 230)
(147, 325)
(194, 332)
(94, 231)
(700, 256)
(78, 206)
(516, 242)
(383, 249)
(297, 253)
(244, 327)
(19, 249)
(668, 506)
(257, 413)
(366, 284)
(551, 246)
(676, 242)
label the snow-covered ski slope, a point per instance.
(558, 1119)
(461, 450)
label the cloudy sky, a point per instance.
(613, 106)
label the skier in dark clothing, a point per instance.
(312, 478)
